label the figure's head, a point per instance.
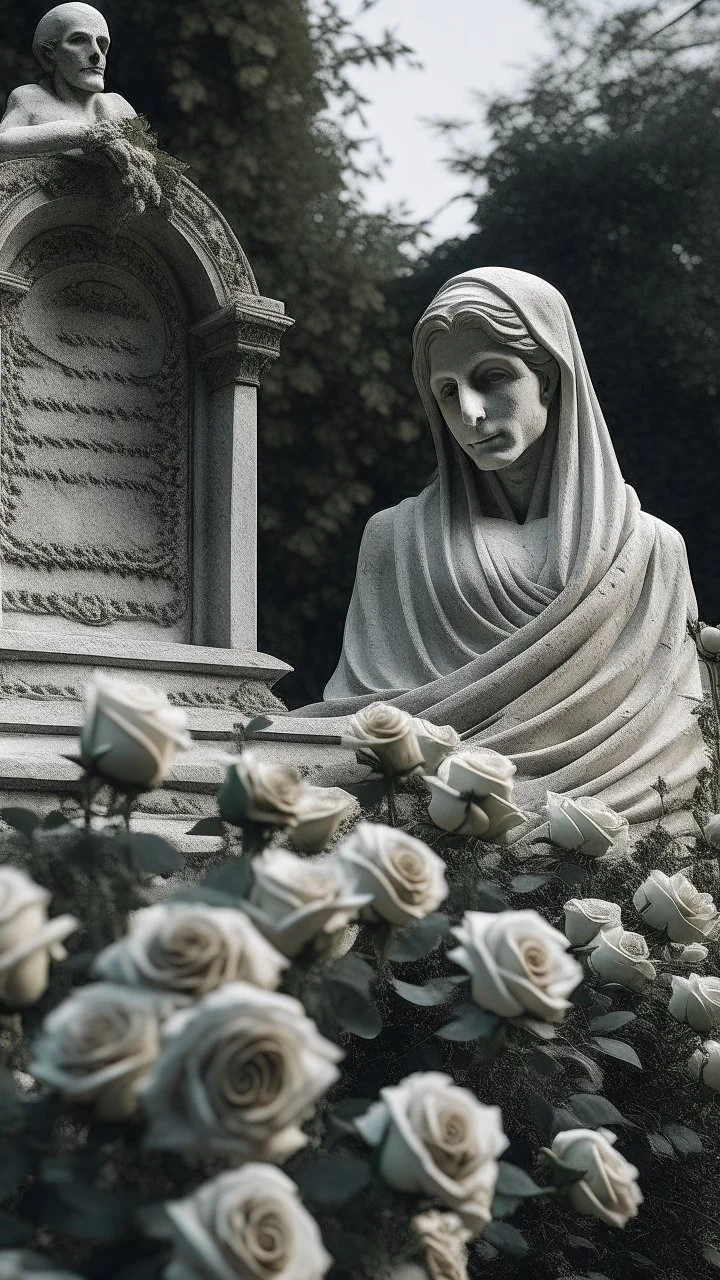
(491, 381)
(71, 42)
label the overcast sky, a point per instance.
(465, 45)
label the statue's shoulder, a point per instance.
(27, 99)
(117, 108)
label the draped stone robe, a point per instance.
(561, 642)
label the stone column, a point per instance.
(11, 287)
(232, 348)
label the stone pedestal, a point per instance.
(131, 351)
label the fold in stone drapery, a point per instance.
(582, 670)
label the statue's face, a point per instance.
(493, 404)
(80, 56)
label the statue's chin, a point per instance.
(90, 82)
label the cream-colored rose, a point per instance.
(609, 1189)
(99, 1045)
(444, 1238)
(693, 954)
(710, 640)
(696, 1000)
(711, 831)
(518, 964)
(248, 1224)
(23, 1264)
(320, 812)
(295, 901)
(405, 879)
(139, 726)
(436, 1138)
(674, 904)
(586, 825)
(623, 957)
(191, 949)
(238, 1074)
(388, 734)
(28, 940)
(585, 917)
(255, 791)
(471, 795)
(705, 1064)
(436, 741)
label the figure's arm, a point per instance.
(19, 137)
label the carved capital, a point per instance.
(237, 343)
(12, 289)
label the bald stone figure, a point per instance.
(60, 113)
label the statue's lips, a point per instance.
(477, 444)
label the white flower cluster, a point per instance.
(131, 733)
(28, 939)
(276, 797)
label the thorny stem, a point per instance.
(390, 796)
(714, 677)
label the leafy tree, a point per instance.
(240, 89)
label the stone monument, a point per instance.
(133, 338)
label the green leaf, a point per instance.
(16, 1162)
(579, 1242)
(660, 1145)
(507, 1239)
(544, 1063)
(512, 1181)
(528, 884)
(612, 1021)
(153, 855)
(505, 1206)
(490, 896)
(618, 1049)
(354, 1010)
(417, 940)
(233, 877)
(22, 820)
(571, 874)
(593, 1109)
(685, 1141)
(369, 793)
(208, 827)
(563, 1173)
(256, 725)
(80, 1209)
(55, 820)
(436, 992)
(711, 1255)
(334, 1180)
(582, 1060)
(14, 1233)
(11, 1106)
(470, 1023)
(352, 971)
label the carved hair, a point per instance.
(488, 312)
(52, 27)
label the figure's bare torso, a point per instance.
(33, 104)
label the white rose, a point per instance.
(320, 811)
(142, 730)
(623, 957)
(191, 949)
(696, 1000)
(99, 1045)
(518, 964)
(673, 903)
(471, 795)
(248, 1224)
(19, 1264)
(388, 734)
(711, 831)
(609, 1189)
(28, 940)
(405, 879)
(694, 953)
(295, 901)
(585, 824)
(255, 791)
(585, 917)
(705, 1064)
(436, 1138)
(436, 741)
(444, 1238)
(238, 1074)
(710, 640)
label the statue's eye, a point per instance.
(495, 376)
(448, 390)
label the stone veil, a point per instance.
(576, 662)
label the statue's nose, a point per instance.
(471, 408)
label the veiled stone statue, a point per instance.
(59, 114)
(524, 597)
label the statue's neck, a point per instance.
(518, 480)
(72, 97)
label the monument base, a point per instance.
(42, 683)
